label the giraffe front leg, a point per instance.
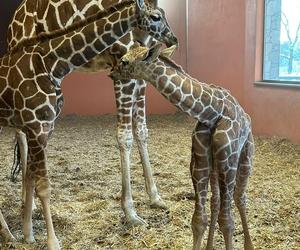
(200, 168)
(214, 208)
(125, 140)
(4, 230)
(199, 219)
(141, 136)
(225, 219)
(124, 93)
(226, 176)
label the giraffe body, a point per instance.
(30, 79)
(222, 142)
(36, 16)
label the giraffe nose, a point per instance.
(172, 40)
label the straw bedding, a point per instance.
(83, 159)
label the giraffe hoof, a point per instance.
(29, 239)
(135, 222)
(158, 203)
(53, 244)
(248, 246)
(209, 247)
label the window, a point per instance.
(281, 61)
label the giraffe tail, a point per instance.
(16, 166)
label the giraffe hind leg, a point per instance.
(243, 173)
(37, 174)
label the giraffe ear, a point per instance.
(140, 5)
(153, 53)
(168, 52)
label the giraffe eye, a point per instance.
(124, 63)
(155, 18)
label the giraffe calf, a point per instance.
(222, 141)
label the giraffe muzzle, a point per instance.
(171, 40)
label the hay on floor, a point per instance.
(83, 159)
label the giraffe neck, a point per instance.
(199, 100)
(68, 49)
(66, 12)
(33, 17)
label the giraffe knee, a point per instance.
(42, 188)
(125, 140)
(141, 133)
(29, 175)
(199, 223)
(240, 199)
(226, 225)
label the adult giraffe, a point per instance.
(36, 16)
(30, 81)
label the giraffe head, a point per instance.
(152, 19)
(134, 63)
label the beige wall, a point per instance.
(216, 43)
(225, 48)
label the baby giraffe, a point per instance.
(222, 142)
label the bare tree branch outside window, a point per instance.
(282, 40)
(291, 42)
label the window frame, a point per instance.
(260, 49)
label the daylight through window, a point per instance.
(282, 41)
